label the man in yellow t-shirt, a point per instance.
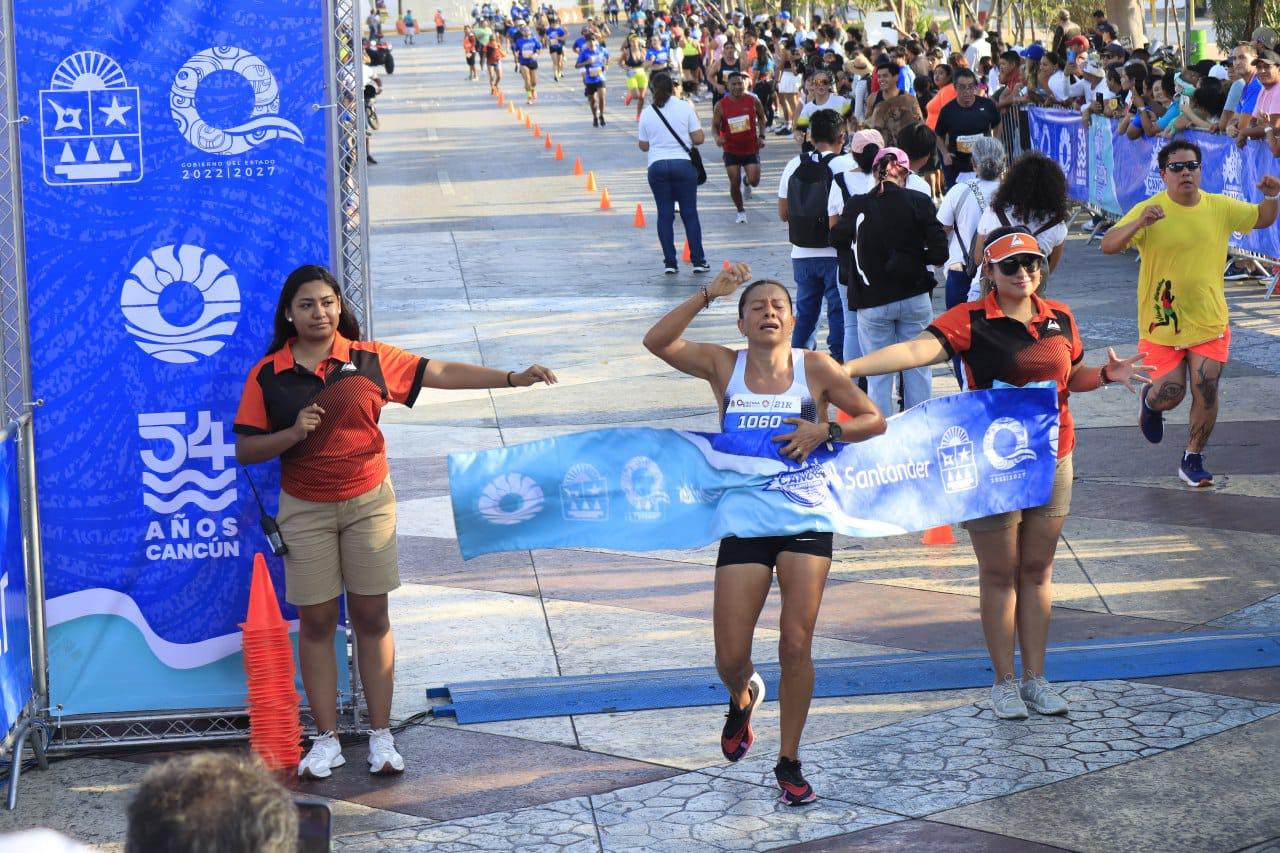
(1183, 332)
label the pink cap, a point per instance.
(863, 138)
(897, 154)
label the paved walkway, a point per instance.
(488, 250)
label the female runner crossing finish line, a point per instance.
(752, 387)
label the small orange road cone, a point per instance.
(501, 98)
(577, 165)
(605, 204)
(591, 182)
(685, 254)
(559, 152)
(511, 108)
(940, 535)
(537, 131)
(725, 265)
(547, 145)
(528, 122)
(638, 221)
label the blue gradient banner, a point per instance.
(15, 638)
(947, 460)
(1060, 135)
(1123, 172)
(174, 171)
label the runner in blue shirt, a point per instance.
(593, 61)
(512, 32)
(526, 50)
(555, 45)
(657, 57)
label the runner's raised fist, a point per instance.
(728, 280)
(1270, 185)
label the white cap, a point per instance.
(1218, 72)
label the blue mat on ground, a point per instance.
(1089, 660)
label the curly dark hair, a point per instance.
(1033, 188)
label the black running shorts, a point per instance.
(591, 88)
(764, 550)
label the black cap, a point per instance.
(1270, 57)
(1203, 67)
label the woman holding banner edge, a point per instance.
(767, 378)
(1013, 336)
(314, 401)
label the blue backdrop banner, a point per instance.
(947, 460)
(15, 641)
(1060, 135)
(174, 172)
(1122, 172)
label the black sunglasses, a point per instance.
(1184, 166)
(1010, 266)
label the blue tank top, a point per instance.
(744, 409)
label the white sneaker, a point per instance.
(325, 755)
(1040, 696)
(1006, 700)
(383, 757)
(741, 217)
(746, 187)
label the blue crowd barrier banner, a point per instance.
(947, 460)
(1101, 156)
(1123, 172)
(1060, 135)
(174, 171)
(15, 638)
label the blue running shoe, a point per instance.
(1192, 472)
(1151, 421)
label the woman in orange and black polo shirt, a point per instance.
(1015, 337)
(314, 401)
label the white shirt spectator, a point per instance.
(976, 50)
(1058, 85)
(838, 164)
(993, 80)
(962, 210)
(662, 145)
(861, 88)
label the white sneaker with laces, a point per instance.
(325, 755)
(383, 757)
(1040, 696)
(741, 217)
(1006, 701)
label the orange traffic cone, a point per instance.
(559, 152)
(725, 265)
(685, 254)
(548, 143)
(528, 122)
(537, 131)
(940, 535)
(639, 218)
(511, 108)
(275, 728)
(577, 165)
(591, 182)
(501, 98)
(605, 204)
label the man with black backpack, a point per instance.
(802, 204)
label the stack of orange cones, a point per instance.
(275, 728)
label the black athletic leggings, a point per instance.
(764, 91)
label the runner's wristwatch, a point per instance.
(834, 432)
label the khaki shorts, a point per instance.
(1059, 503)
(347, 544)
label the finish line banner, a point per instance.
(174, 171)
(949, 459)
(1119, 172)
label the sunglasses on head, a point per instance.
(1010, 266)
(1184, 166)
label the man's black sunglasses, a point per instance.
(1184, 166)
(1010, 266)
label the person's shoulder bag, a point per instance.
(695, 156)
(971, 265)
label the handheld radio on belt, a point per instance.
(269, 526)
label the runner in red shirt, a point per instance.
(738, 122)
